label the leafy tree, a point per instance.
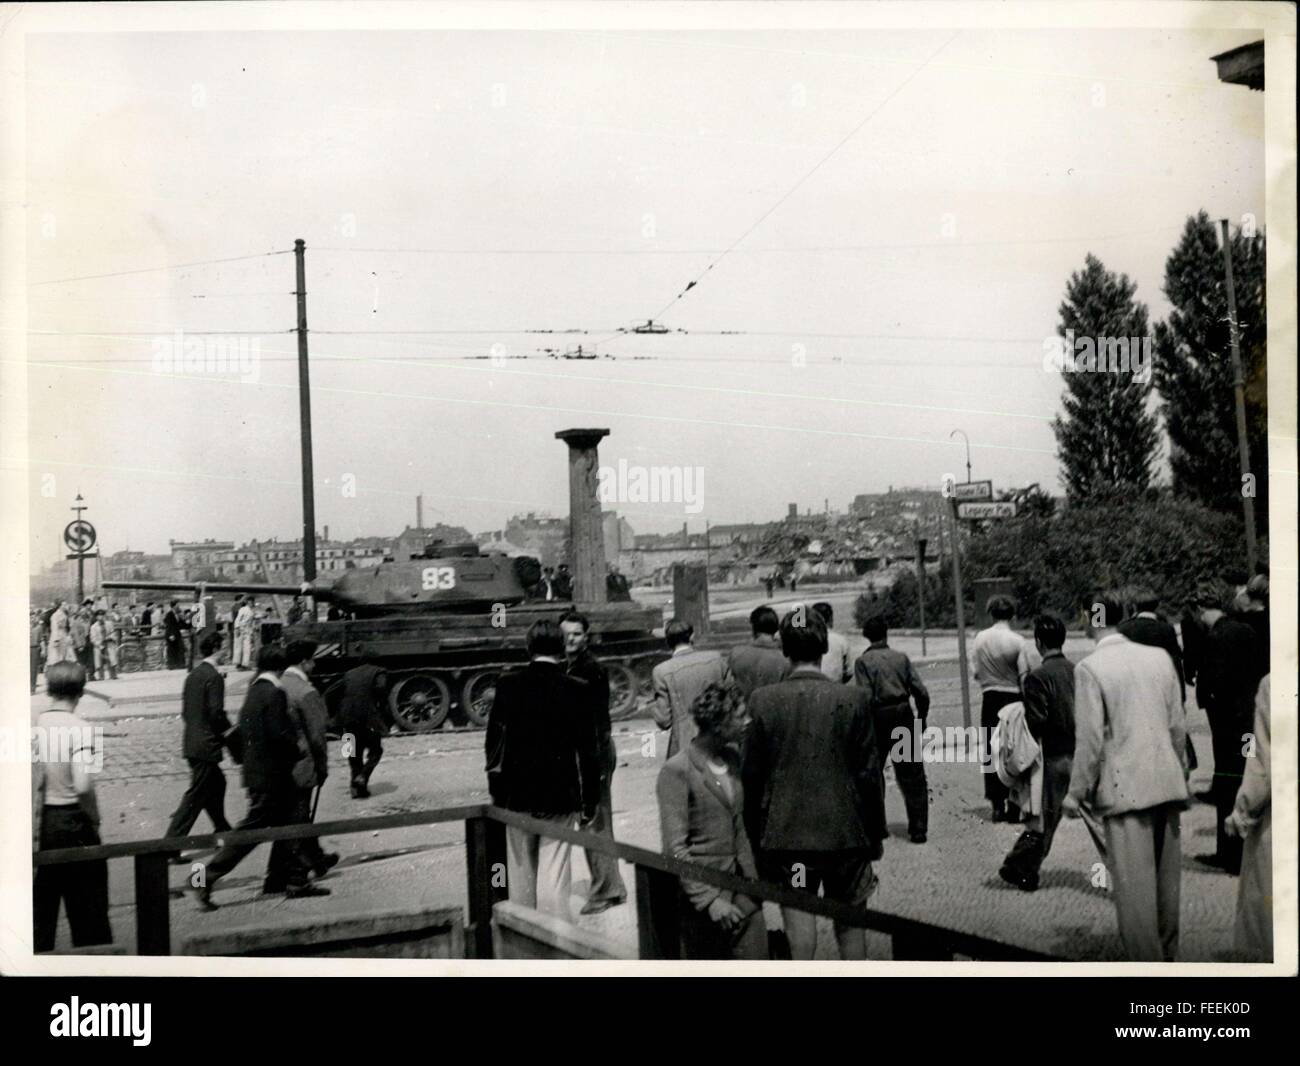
(1193, 367)
(1106, 440)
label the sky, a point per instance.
(881, 225)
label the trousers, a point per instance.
(606, 879)
(312, 853)
(207, 793)
(909, 773)
(540, 868)
(1226, 731)
(703, 938)
(367, 750)
(1145, 858)
(82, 887)
(992, 702)
(266, 810)
(1027, 854)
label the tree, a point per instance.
(1107, 440)
(1193, 367)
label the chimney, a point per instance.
(327, 534)
(419, 512)
(686, 537)
(793, 511)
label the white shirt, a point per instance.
(1000, 659)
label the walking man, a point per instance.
(1000, 662)
(607, 888)
(837, 664)
(891, 684)
(812, 787)
(310, 716)
(59, 642)
(1049, 715)
(243, 635)
(207, 732)
(761, 661)
(679, 681)
(270, 751)
(364, 722)
(1129, 765)
(542, 761)
(172, 634)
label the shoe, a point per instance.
(1205, 797)
(202, 897)
(1013, 814)
(328, 861)
(1025, 884)
(999, 814)
(1214, 862)
(596, 906)
(360, 792)
(916, 838)
(269, 889)
(302, 891)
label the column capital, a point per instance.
(581, 438)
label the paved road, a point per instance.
(951, 880)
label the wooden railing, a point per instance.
(658, 897)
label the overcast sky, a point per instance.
(902, 285)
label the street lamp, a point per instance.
(967, 440)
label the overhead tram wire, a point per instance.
(154, 270)
(799, 184)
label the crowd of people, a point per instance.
(775, 764)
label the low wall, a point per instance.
(427, 933)
(523, 933)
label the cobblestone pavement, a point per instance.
(951, 881)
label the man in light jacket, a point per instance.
(310, 717)
(679, 681)
(1130, 765)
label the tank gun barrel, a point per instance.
(213, 587)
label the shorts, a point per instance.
(846, 876)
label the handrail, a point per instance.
(656, 872)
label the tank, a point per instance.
(444, 625)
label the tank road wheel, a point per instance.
(622, 690)
(419, 703)
(477, 695)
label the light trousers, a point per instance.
(1145, 860)
(540, 868)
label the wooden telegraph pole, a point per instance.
(304, 420)
(1239, 392)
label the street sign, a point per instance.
(973, 490)
(1004, 509)
(79, 536)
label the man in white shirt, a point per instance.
(837, 664)
(243, 635)
(1000, 661)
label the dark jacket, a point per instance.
(758, 663)
(812, 772)
(586, 668)
(1157, 634)
(1230, 672)
(270, 739)
(889, 679)
(361, 708)
(172, 626)
(203, 710)
(1049, 705)
(1194, 633)
(541, 743)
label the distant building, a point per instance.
(197, 560)
(540, 536)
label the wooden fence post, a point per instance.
(657, 919)
(486, 884)
(152, 905)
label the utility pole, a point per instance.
(304, 420)
(79, 507)
(1239, 392)
(961, 615)
(920, 582)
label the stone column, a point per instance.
(585, 529)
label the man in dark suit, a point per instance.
(812, 786)
(270, 751)
(761, 661)
(172, 635)
(607, 888)
(361, 712)
(207, 732)
(1049, 716)
(1229, 675)
(542, 761)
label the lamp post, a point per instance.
(967, 440)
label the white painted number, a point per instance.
(438, 577)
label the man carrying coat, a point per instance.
(310, 716)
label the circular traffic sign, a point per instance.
(79, 536)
